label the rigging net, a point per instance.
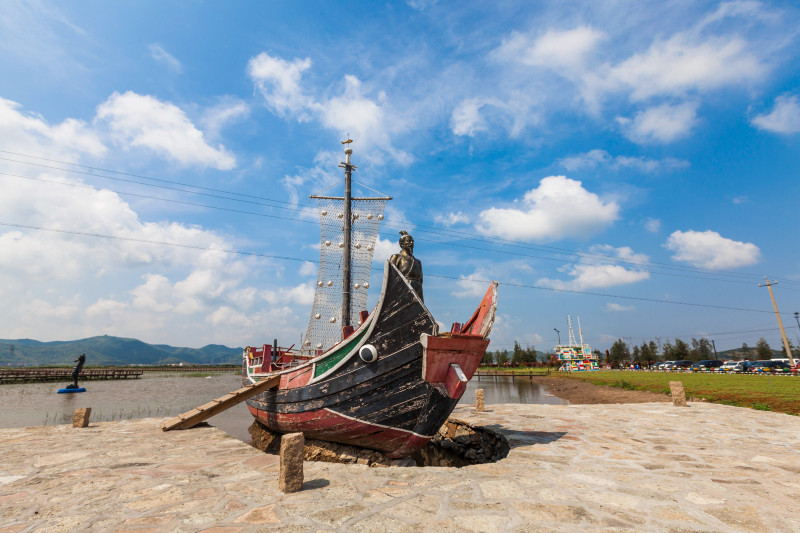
(325, 324)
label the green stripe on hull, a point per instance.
(334, 358)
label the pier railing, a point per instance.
(28, 375)
(529, 375)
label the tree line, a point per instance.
(647, 353)
(697, 350)
(520, 356)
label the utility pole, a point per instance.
(797, 319)
(715, 349)
(769, 285)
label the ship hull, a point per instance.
(395, 403)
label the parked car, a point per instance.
(733, 366)
(681, 365)
(663, 365)
(706, 364)
(771, 366)
(747, 366)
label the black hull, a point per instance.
(374, 402)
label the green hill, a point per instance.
(107, 350)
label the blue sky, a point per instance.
(631, 163)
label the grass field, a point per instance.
(768, 393)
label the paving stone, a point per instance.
(634, 467)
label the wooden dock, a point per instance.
(33, 375)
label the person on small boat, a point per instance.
(408, 265)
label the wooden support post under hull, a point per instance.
(206, 411)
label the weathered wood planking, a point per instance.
(206, 411)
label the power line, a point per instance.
(520, 285)
(389, 224)
(429, 229)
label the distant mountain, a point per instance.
(106, 350)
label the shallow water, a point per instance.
(163, 395)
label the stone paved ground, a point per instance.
(635, 467)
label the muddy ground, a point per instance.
(581, 392)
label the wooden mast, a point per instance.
(348, 222)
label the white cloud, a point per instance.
(301, 294)
(784, 117)
(559, 50)
(708, 249)
(740, 200)
(560, 207)
(160, 55)
(308, 269)
(466, 117)
(363, 118)
(370, 121)
(473, 285)
(593, 272)
(29, 133)
(515, 113)
(595, 158)
(679, 65)
(219, 116)
(384, 249)
(451, 219)
(653, 225)
(610, 306)
(598, 59)
(661, 124)
(279, 83)
(144, 121)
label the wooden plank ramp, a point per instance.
(206, 411)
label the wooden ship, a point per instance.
(575, 356)
(385, 379)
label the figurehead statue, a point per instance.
(407, 264)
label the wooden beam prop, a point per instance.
(206, 411)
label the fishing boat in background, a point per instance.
(385, 379)
(575, 356)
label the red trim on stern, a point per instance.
(440, 352)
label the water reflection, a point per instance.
(164, 395)
(505, 389)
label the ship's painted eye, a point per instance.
(368, 353)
